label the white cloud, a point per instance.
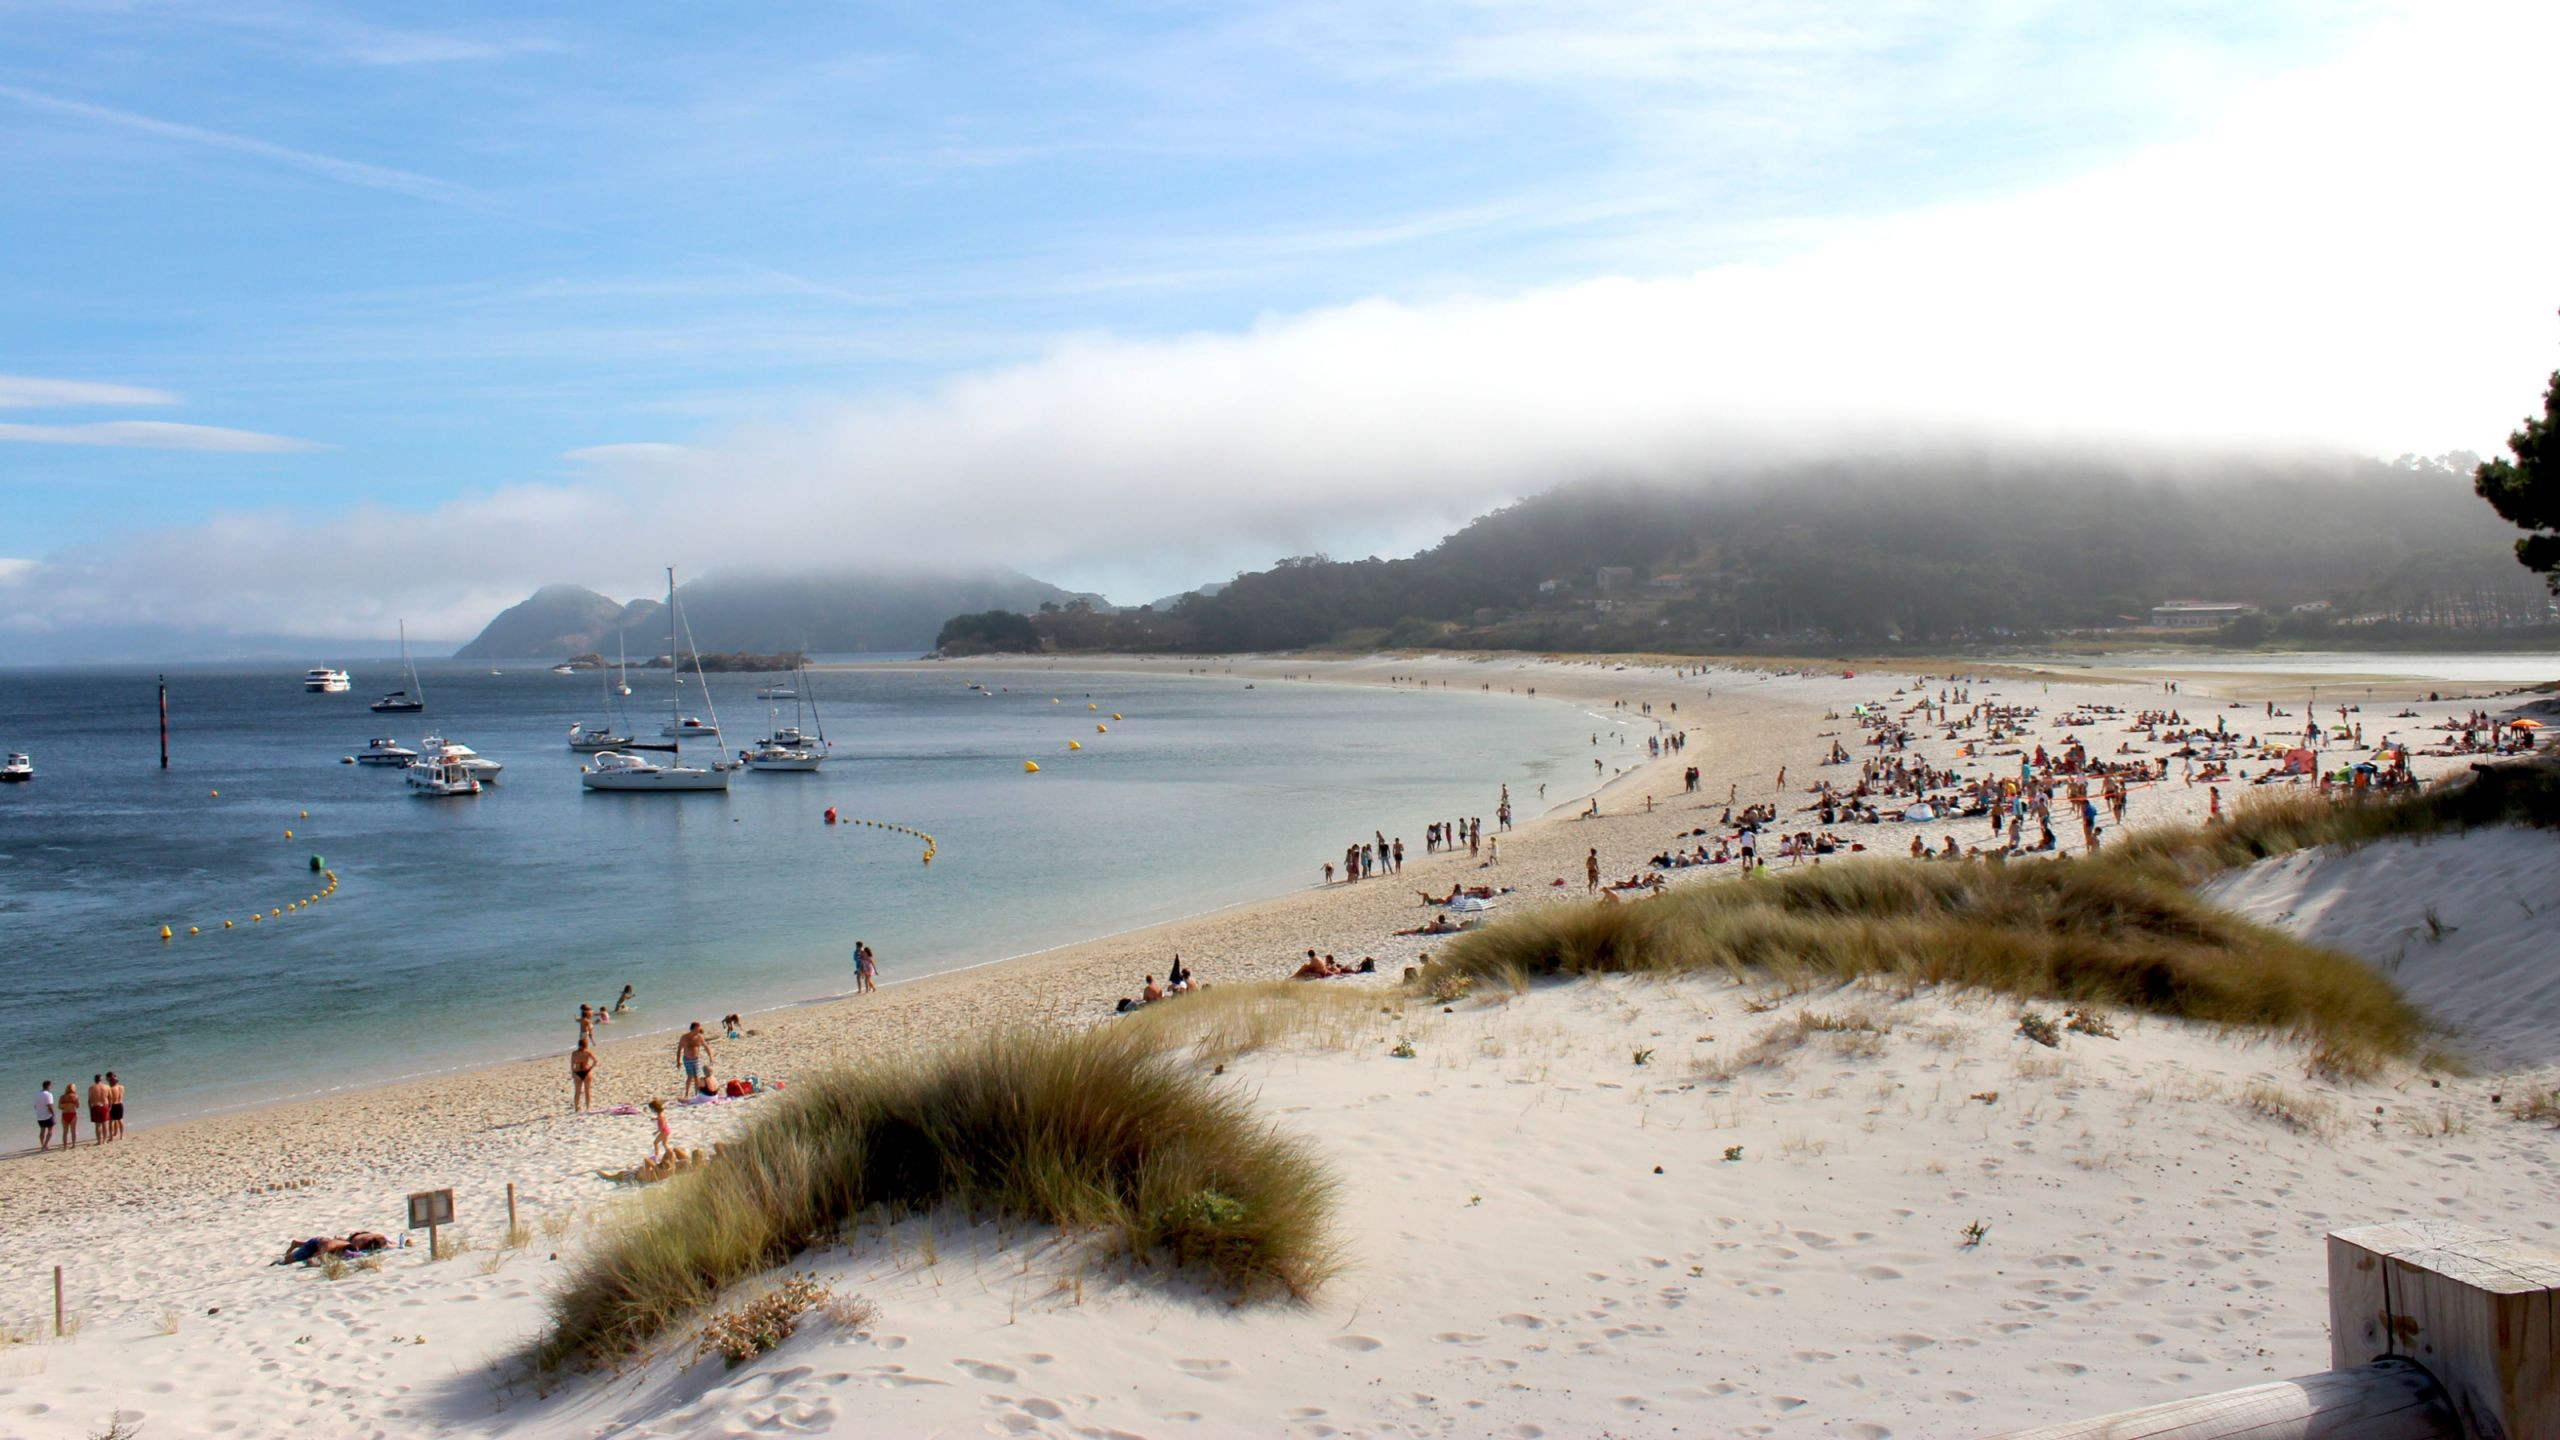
(22, 392)
(14, 570)
(2349, 258)
(156, 435)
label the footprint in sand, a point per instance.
(1878, 1272)
(1355, 1342)
(1458, 1337)
(981, 1370)
(890, 1342)
(1207, 1369)
(1520, 1321)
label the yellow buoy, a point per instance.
(275, 912)
(1089, 705)
(191, 930)
(165, 932)
(1075, 744)
(305, 815)
(226, 924)
(217, 794)
(1101, 729)
(1030, 767)
(257, 919)
(288, 834)
(1115, 714)
(1053, 699)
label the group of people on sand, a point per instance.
(1177, 981)
(103, 1101)
(1325, 967)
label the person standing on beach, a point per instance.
(44, 1116)
(71, 1112)
(101, 1094)
(693, 1052)
(582, 1073)
(1591, 870)
(866, 967)
(115, 1107)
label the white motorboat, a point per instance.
(622, 771)
(325, 681)
(778, 757)
(482, 768)
(628, 770)
(441, 773)
(19, 768)
(591, 740)
(557, 670)
(386, 751)
(776, 692)
(404, 702)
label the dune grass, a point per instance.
(2077, 932)
(1102, 1132)
(2118, 930)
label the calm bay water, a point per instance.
(468, 930)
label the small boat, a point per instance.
(788, 747)
(442, 773)
(628, 771)
(324, 681)
(557, 670)
(482, 768)
(19, 768)
(386, 751)
(593, 740)
(404, 702)
(623, 771)
(776, 692)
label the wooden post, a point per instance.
(432, 1252)
(2480, 1311)
(57, 1302)
(512, 1227)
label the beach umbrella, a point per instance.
(2524, 724)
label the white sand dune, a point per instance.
(1516, 1265)
(2468, 926)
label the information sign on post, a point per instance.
(428, 1210)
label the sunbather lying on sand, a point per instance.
(309, 1252)
(1440, 925)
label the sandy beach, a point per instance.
(1517, 1266)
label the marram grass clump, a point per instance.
(1101, 1132)
(2076, 932)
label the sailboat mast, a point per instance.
(675, 668)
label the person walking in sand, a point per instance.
(866, 966)
(582, 1074)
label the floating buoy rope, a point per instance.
(328, 888)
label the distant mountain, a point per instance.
(1204, 592)
(820, 614)
(1912, 549)
(563, 620)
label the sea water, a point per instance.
(468, 930)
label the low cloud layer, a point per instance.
(2351, 259)
(155, 435)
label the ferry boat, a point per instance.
(19, 768)
(324, 681)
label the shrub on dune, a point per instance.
(1101, 1132)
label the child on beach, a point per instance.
(662, 1151)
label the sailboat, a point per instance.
(591, 740)
(621, 666)
(411, 700)
(787, 748)
(628, 769)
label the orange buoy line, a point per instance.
(930, 845)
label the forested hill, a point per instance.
(1912, 552)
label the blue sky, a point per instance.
(308, 273)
